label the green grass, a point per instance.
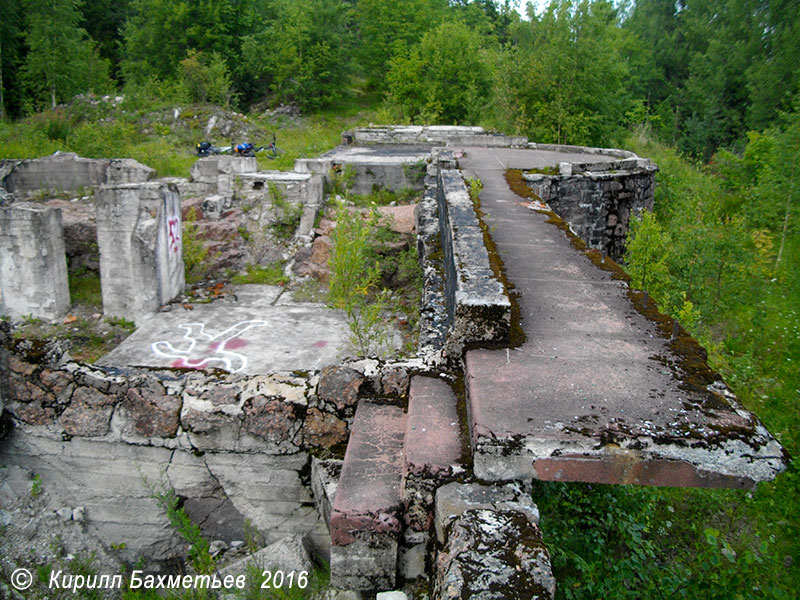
(271, 274)
(148, 132)
(84, 288)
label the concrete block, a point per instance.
(494, 555)
(365, 519)
(139, 234)
(454, 499)
(478, 305)
(33, 267)
(287, 554)
(324, 481)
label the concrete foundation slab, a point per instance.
(246, 336)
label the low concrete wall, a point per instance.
(598, 199)
(234, 447)
(479, 309)
(434, 135)
(296, 190)
(33, 267)
(68, 172)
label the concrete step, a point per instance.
(433, 434)
(366, 517)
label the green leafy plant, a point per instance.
(36, 486)
(287, 215)
(354, 282)
(341, 180)
(199, 550)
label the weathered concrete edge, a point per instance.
(642, 461)
(582, 150)
(478, 304)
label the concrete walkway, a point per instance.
(595, 393)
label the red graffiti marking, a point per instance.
(231, 344)
(186, 364)
(173, 227)
(320, 344)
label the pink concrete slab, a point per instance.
(370, 491)
(628, 468)
(433, 434)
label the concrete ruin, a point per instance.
(139, 234)
(598, 199)
(567, 375)
(33, 268)
(66, 172)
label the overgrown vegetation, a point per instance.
(271, 274)
(709, 256)
(355, 281)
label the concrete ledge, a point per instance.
(433, 434)
(478, 305)
(582, 150)
(449, 135)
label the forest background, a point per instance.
(707, 89)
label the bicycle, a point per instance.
(271, 150)
(205, 148)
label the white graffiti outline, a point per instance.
(195, 333)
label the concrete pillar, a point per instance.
(139, 233)
(33, 267)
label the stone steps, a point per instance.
(393, 465)
(433, 435)
(366, 516)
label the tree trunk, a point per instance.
(2, 103)
(786, 217)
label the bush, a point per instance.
(355, 274)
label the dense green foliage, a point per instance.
(701, 73)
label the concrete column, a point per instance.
(139, 233)
(33, 267)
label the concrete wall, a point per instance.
(598, 199)
(478, 307)
(68, 172)
(235, 447)
(141, 251)
(33, 267)
(296, 191)
(434, 135)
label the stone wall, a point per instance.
(33, 267)
(598, 199)
(235, 448)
